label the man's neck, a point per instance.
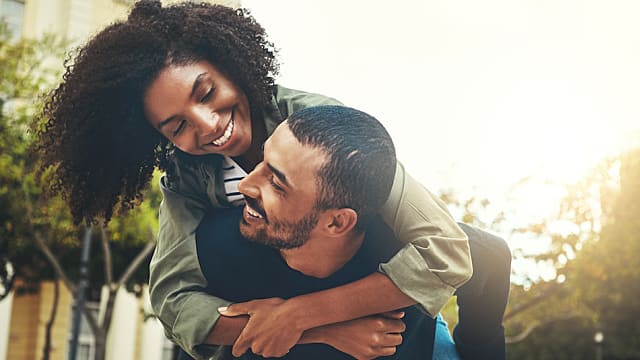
(321, 257)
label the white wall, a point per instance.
(5, 321)
(121, 340)
(152, 333)
(127, 331)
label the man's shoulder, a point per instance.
(380, 237)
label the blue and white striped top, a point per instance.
(232, 174)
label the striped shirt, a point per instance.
(232, 174)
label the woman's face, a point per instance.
(199, 109)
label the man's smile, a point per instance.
(253, 211)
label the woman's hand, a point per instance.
(365, 338)
(271, 330)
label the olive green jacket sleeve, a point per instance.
(436, 259)
(176, 283)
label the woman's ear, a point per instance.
(340, 221)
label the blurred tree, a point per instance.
(593, 271)
(38, 239)
(21, 79)
(594, 247)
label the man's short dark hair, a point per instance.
(361, 160)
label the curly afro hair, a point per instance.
(94, 135)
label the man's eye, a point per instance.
(179, 128)
(275, 186)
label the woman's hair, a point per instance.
(93, 133)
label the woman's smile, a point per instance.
(200, 110)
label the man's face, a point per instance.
(281, 192)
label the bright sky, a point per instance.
(477, 95)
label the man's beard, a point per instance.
(285, 235)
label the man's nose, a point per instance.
(248, 186)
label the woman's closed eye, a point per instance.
(207, 96)
(181, 125)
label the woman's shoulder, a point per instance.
(286, 100)
(289, 100)
(189, 171)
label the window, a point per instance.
(12, 12)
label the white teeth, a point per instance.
(253, 213)
(226, 136)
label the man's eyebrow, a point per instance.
(196, 84)
(282, 177)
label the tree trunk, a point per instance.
(52, 318)
(100, 345)
(100, 336)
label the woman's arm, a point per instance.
(364, 338)
(436, 259)
(433, 263)
(176, 282)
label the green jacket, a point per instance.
(433, 263)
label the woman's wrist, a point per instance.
(303, 312)
(317, 335)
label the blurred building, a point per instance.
(74, 19)
(23, 316)
(135, 335)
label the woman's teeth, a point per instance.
(226, 136)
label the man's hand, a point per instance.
(272, 329)
(364, 338)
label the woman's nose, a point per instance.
(207, 124)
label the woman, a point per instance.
(190, 88)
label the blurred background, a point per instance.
(522, 116)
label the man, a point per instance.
(313, 203)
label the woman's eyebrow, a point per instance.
(197, 82)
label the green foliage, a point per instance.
(29, 65)
(22, 76)
(597, 288)
(594, 245)
(28, 68)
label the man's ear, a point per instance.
(340, 221)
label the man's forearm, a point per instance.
(373, 294)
